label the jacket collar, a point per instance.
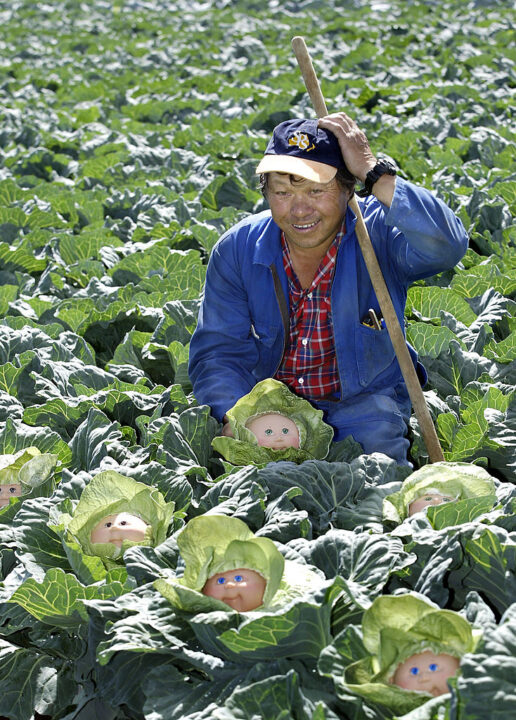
(268, 243)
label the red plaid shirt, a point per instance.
(309, 365)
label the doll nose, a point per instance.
(115, 532)
(231, 585)
(429, 682)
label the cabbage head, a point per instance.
(461, 480)
(272, 396)
(108, 493)
(32, 469)
(211, 544)
(395, 627)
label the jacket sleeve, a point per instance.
(428, 236)
(222, 350)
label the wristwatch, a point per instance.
(382, 167)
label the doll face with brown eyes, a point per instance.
(116, 528)
(430, 498)
(9, 491)
(426, 672)
(274, 431)
(242, 589)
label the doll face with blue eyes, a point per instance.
(116, 528)
(429, 498)
(426, 672)
(274, 431)
(9, 491)
(242, 589)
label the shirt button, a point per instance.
(300, 381)
(309, 296)
(304, 341)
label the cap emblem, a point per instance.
(301, 140)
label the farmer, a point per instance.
(288, 295)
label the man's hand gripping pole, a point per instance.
(408, 371)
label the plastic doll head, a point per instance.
(118, 527)
(430, 497)
(274, 431)
(8, 491)
(242, 589)
(427, 672)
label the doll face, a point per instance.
(431, 498)
(119, 527)
(241, 589)
(274, 431)
(426, 672)
(9, 491)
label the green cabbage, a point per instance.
(108, 493)
(395, 627)
(461, 480)
(211, 544)
(272, 396)
(32, 469)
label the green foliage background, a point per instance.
(129, 135)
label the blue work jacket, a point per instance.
(243, 323)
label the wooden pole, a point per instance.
(408, 371)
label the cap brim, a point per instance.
(308, 169)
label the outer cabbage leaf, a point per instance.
(15, 436)
(276, 689)
(363, 563)
(57, 600)
(488, 566)
(339, 495)
(242, 494)
(485, 687)
(47, 681)
(459, 512)
(38, 547)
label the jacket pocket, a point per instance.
(264, 334)
(374, 353)
(269, 347)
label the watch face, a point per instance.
(385, 166)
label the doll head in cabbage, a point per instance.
(114, 513)
(415, 648)
(272, 423)
(441, 482)
(27, 473)
(226, 565)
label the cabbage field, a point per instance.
(130, 131)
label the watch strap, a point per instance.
(382, 167)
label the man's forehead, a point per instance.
(278, 179)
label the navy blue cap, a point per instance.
(300, 147)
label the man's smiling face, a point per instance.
(309, 213)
